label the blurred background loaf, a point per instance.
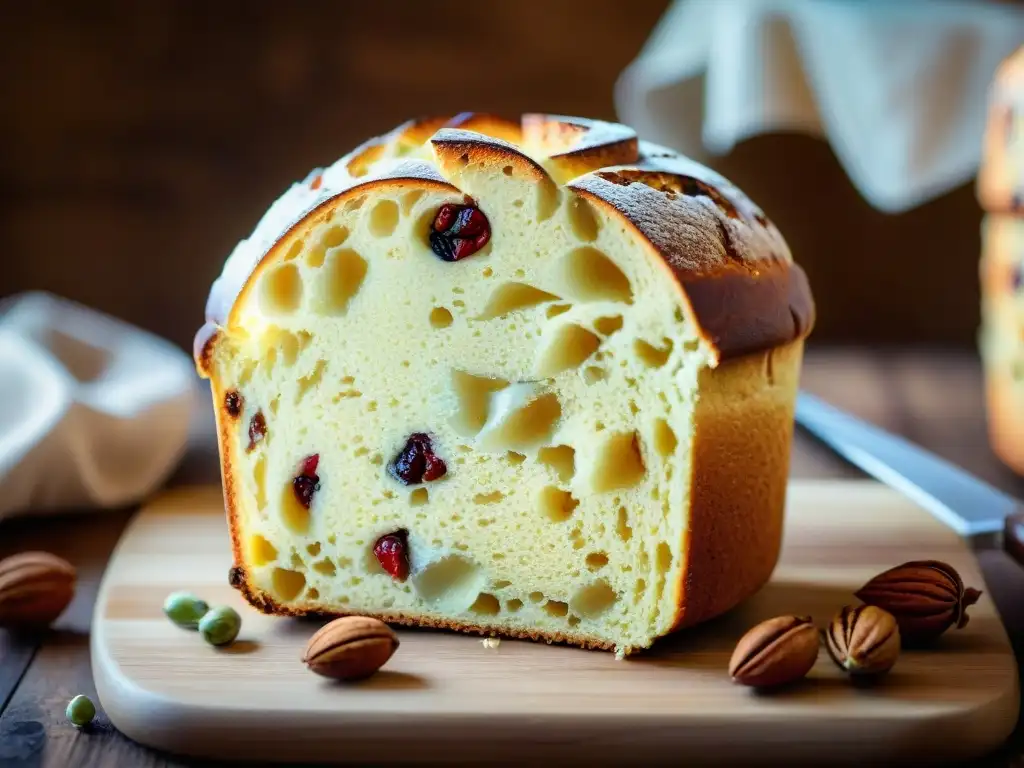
(1001, 192)
(140, 141)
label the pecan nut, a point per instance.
(864, 640)
(926, 597)
(35, 588)
(350, 648)
(775, 652)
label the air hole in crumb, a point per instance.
(665, 441)
(536, 597)
(593, 600)
(582, 220)
(409, 200)
(440, 317)
(294, 516)
(314, 548)
(297, 563)
(261, 551)
(556, 607)
(344, 273)
(514, 605)
(596, 560)
(509, 297)
(311, 381)
(593, 374)
(590, 275)
(517, 426)
(641, 587)
(651, 356)
(692, 345)
(574, 620)
(502, 583)
(622, 527)
(418, 497)
(488, 498)
(325, 566)
(486, 604)
(557, 309)
(259, 474)
(564, 348)
(454, 581)
(287, 584)
(618, 463)
(507, 170)
(294, 250)
(514, 458)
(281, 289)
(473, 394)
(312, 593)
(606, 326)
(557, 505)
(560, 458)
(548, 199)
(663, 558)
(384, 218)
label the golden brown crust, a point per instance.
(1005, 407)
(455, 148)
(734, 269)
(776, 298)
(743, 430)
(575, 146)
(488, 125)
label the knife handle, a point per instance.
(1013, 535)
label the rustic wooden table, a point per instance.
(932, 397)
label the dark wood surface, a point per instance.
(139, 141)
(931, 396)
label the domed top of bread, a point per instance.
(734, 268)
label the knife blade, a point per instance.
(966, 503)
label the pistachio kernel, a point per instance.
(185, 609)
(80, 711)
(220, 625)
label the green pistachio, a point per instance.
(80, 711)
(185, 609)
(220, 625)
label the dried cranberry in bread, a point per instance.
(535, 379)
(1001, 174)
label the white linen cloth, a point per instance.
(94, 413)
(897, 87)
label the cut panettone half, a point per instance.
(533, 379)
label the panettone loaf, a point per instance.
(1002, 334)
(1001, 193)
(528, 378)
(1001, 174)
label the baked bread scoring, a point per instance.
(527, 378)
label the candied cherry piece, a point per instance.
(459, 231)
(307, 482)
(233, 403)
(417, 462)
(392, 552)
(257, 429)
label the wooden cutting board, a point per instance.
(447, 698)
